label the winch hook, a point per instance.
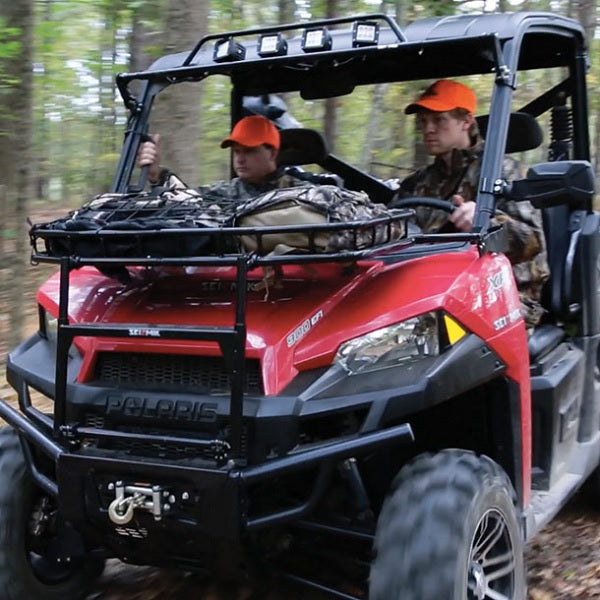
(116, 513)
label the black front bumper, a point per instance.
(216, 498)
(80, 476)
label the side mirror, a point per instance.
(548, 184)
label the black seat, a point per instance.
(524, 132)
(301, 147)
(562, 227)
(561, 295)
(305, 147)
(547, 336)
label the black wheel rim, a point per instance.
(492, 568)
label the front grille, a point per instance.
(93, 420)
(200, 374)
(158, 450)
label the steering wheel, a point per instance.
(415, 201)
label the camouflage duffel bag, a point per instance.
(309, 209)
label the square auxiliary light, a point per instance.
(316, 40)
(228, 50)
(271, 44)
(365, 33)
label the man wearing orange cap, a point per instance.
(445, 116)
(255, 143)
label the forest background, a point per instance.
(62, 121)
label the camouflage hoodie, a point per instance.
(235, 189)
(526, 244)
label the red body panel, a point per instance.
(299, 321)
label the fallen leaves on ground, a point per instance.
(563, 560)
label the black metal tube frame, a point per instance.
(232, 341)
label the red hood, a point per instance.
(278, 317)
(297, 323)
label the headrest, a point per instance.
(524, 132)
(301, 147)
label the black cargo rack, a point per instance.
(179, 222)
(224, 250)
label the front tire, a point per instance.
(28, 518)
(449, 531)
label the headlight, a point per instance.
(393, 345)
(48, 325)
(49, 331)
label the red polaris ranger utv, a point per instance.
(348, 403)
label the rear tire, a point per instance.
(449, 531)
(24, 570)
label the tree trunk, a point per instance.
(143, 39)
(42, 135)
(597, 148)
(106, 143)
(586, 13)
(373, 126)
(400, 8)
(3, 234)
(139, 43)
(176, 115)
(285, 9)
(376, 109)
(330, 116)
(16, 154)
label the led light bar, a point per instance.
(316, 40)
(228, 50)
(271, 44)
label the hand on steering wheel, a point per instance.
(461, 212)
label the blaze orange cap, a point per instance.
(444, 95)
(253, 131)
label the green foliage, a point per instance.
(81, 46)
(10, 47)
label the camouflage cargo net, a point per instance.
(186, 222)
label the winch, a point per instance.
(129, 498)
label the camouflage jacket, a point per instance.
(526, 248)
(235, 189)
